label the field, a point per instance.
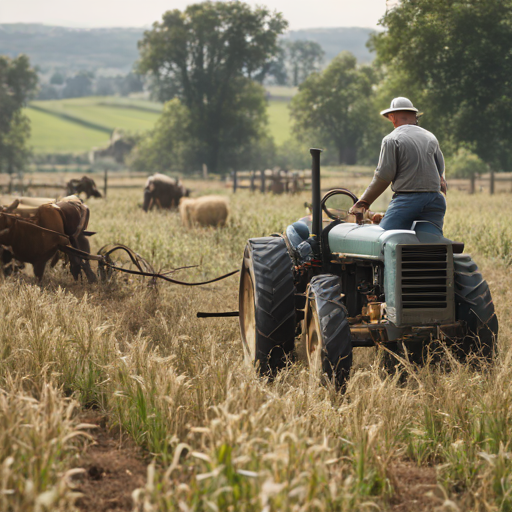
(51, 134)
(78, 124)
(279, 120)
(122, 380)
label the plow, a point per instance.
(25, 239)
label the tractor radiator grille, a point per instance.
(424, 276)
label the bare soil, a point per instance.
(114, 467)
(415, 488)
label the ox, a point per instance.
(37, 240)
(85, 185)
(164, 192)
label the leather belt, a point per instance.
(417, 192)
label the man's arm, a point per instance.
(374, 190)
(384, 175)
(439, 159)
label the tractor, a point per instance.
(322, 288)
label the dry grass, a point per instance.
(221, 438)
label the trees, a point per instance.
(172, 146)
(293, 63)
(17, 82)
(453, 58)
(206, 56)
(79, 85)
(302, 58)
(168, 146)
(335, 107)
(464, 164)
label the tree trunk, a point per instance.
(347, 155)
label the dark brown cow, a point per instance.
(163, 192)
(85, 185)
(31, 244)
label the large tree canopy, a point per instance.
(17, 82)
(335, 107)
(206, 56)
(454, 59)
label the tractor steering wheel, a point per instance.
(337, 202)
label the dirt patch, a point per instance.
(114, 467)
(415, 488)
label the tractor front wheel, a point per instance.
(325, 343)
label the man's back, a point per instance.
(408, 159)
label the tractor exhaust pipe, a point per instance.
(316, 195)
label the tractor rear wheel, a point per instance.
(267, 304)
(326, 343)
(475, 307)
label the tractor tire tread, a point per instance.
(274, 296)
(474, 305)
(335, 328)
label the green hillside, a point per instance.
(51, 134)
(104, 112)
(78, 124)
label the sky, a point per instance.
(137, 13)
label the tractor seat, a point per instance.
(428, 232)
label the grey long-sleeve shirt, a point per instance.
(411, 159)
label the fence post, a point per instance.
(262, 172)
(234, 181)
(205, 172)
(491, 184)
(295, 186)
(472, 184)
(105, 183)
(253, 176)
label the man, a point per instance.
(411, 160)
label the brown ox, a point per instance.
(85, 185)
(163, 192)
(37, 240)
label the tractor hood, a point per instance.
(369, 240)
(410, 271)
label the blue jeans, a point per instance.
(404, 209)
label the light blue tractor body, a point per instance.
(418, 270)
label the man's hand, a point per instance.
(444, 185)
(360, 207)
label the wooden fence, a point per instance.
(277, 182)
(263, 181)
(490, 183)
(15, 185)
